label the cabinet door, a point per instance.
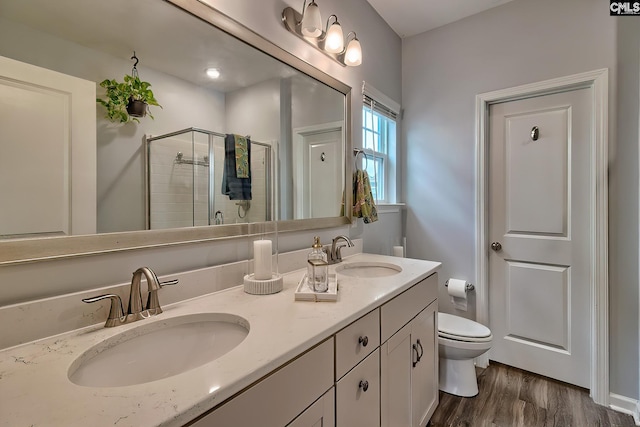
(395, 379)
(321, 414)
(281, 396)
(358, 395)
(424, 376)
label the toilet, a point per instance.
(460, 341)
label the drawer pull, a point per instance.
(419, 352)
(363, 340)
(364, 385)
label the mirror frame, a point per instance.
(52, 248)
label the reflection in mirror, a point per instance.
(168, 171)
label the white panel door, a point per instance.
(539, 302)
(318, 161)
(48, 145)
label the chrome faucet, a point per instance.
(135, 311)
(335, 256)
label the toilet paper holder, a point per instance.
(468, 287)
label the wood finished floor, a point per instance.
(510, 397)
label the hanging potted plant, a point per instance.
(128, 100)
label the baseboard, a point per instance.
(626, 405)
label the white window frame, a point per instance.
(387, 108)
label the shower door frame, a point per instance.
(211, 178)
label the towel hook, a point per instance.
(356, 152)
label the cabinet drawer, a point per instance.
(280, 397)
(400, 310)
(356, 407)
(357, 341)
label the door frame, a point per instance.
(597, 81)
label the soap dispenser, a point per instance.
(317, 268)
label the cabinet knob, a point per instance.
(363, 340)
(364, 385)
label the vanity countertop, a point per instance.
(35, 389)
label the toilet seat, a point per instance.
(461, 329)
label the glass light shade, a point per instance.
(311, 21)
(334, 41)
(353, 55)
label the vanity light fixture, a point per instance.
(212, 73)
(331, 41)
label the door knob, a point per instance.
(496, 246)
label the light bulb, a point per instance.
(353, 55)
(312, 21)
(213, 73)
(334, 41)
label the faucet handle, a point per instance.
(116, 313)
(169, 282)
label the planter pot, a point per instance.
(136, 108)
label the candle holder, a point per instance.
(262, 287)
(263, 280)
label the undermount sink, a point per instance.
(368, 269)
(158, 349)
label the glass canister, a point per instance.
(317, 268)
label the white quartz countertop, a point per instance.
(35, 389)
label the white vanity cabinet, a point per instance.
(281, 397)
(351, 379)
(409, 356)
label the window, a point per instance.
(379, 141)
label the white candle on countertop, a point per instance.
(262, 259)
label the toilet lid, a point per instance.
(457, 326)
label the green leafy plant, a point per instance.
(119, 95)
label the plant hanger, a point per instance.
(134, 70)
(129, 100)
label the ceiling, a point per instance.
(167, 40)
(410, 17)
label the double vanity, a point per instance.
(230, 358)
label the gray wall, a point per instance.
(520, 42)
(623, 211)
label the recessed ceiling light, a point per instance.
(213, 73)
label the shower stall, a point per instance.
(183, 173)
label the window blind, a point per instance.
(378, 102)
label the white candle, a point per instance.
(262, 259)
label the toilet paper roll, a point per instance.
(457, 289)
(398, 251)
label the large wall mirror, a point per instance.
(75, 182)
